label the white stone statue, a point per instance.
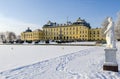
(110, 35)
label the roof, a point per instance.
(79, 21)
(28, 30)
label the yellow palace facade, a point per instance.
(30, 35)
(79, 30)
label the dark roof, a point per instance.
(28, 30)
(49, 23)
(79, 21)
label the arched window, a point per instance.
(67, 37)
(64, 37)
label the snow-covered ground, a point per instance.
(13, 56)
(75, 43)
(82, 43)
(60, 62)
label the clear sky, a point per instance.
(17, 15)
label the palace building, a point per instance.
(30, 35)
(95, 34)
(79, 30)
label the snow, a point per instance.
(60, 62)
(82, 43)
(13, 56)
(73, 43)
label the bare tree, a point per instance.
(2, 37)
(117, 27)
(104, 26)
(10, 36)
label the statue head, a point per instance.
(109, 19)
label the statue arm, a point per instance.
(106, 31)
(108, 28)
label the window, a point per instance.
(57, 38)
(64, 37)
(79, 27)
(98, 32)
(76, 28)
(67, 28)
(67, 37)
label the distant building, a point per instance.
(79, 30)
(95, 34)
(30, 35)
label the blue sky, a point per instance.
(17, 15)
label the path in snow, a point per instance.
(85, 64)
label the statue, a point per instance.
(110, 36)
(110, 52)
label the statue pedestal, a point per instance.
(110, 60)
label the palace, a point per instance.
(79, 31)
(30, 35)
